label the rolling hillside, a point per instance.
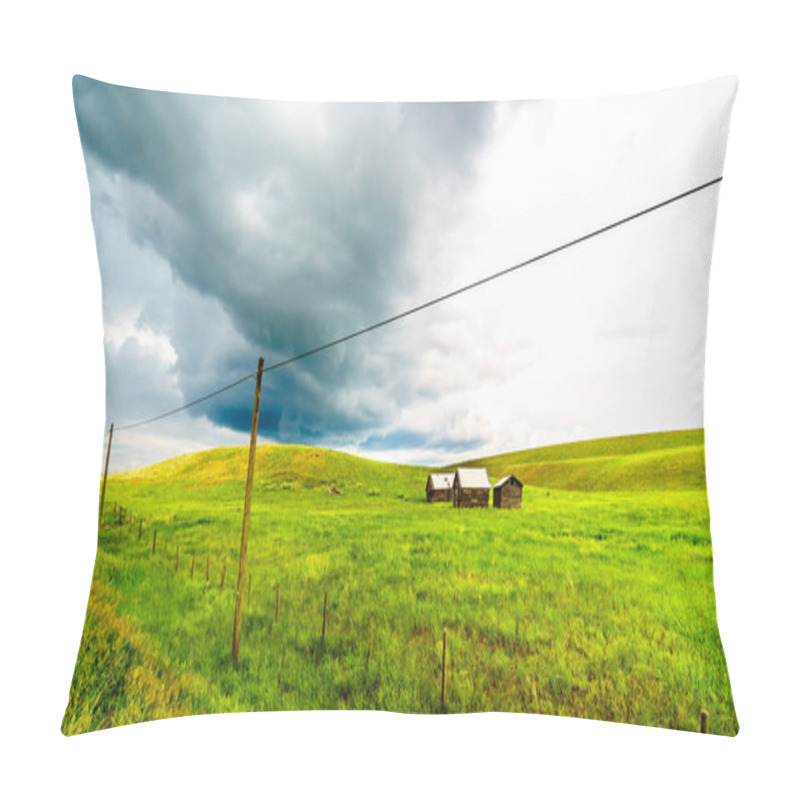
(647, 462)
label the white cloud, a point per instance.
(602, 339)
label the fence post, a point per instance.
(703, 721)
(154, 541)
(444, 667)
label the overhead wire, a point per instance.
(186, 405)
(428, 304)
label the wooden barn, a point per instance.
(471, 488)
(508, 493)
(440, 487)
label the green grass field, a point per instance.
(595, 599)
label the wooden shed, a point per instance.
(471, 488)
(440, 487)
(508, 493)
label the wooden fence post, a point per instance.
(154, 541)
(703, 721)
(444, 667)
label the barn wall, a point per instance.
(508, 496)
(472, 498)
(440, 495)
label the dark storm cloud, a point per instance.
(409, 440)
(297, 219)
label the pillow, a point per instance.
(404, 407)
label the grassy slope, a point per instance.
(673, 460)
(596, 599)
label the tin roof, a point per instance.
(505, 480)
(441, 480)
(473, 478)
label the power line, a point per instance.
(187, 405)
(429, 303)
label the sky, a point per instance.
(229, 228)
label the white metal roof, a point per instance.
(442, 480)
(473, 478)
(505, 480)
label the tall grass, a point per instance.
(583, 603)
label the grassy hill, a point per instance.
(595, 599)
(648, 462)
(283, 467)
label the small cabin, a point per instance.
(471, 488)
(440, 487)
(508, 493)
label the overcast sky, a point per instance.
(228, 229)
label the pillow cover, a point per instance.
(404, 407)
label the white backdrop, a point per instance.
(52, 384)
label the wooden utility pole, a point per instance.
(105, 476)
(248, 493)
